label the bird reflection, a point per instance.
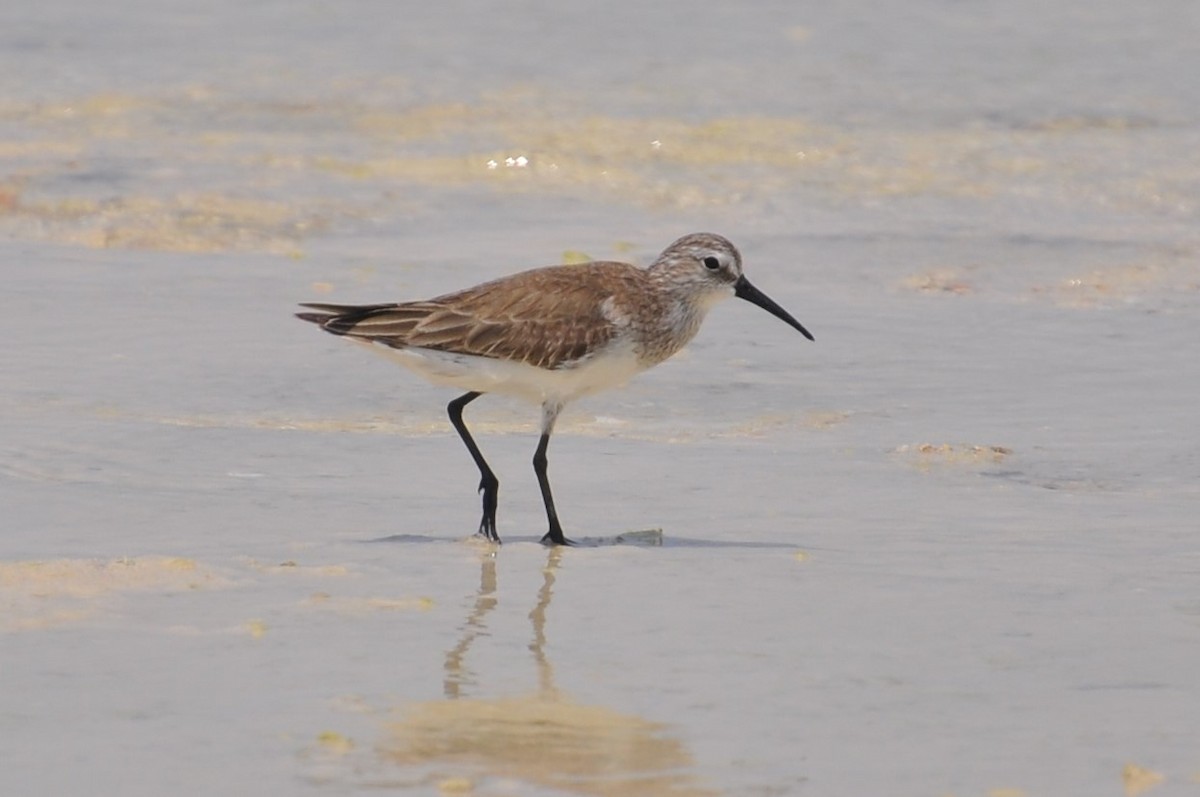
(457, 674)
(543, 738)
(537, 617)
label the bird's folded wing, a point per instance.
(548, 318)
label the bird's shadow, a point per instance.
(644, 538)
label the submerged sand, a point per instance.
(949, 548)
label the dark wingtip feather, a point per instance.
(315, 318)
(339, 318)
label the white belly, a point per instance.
(613, 367)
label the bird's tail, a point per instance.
(339, 318)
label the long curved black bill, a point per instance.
(744, 290)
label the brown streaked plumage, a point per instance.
(551, 335)
(546, 318)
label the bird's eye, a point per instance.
(711, 263)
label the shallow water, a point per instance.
(950, 548)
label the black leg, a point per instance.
(555, 535)
(489, 485)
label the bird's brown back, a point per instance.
(547, 317)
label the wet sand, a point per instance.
(949, 548)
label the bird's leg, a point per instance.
(489, 485)
(555, 535)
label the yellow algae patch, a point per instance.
(422, 121)
(104, 104)
(185, 223)
(51, 593)
(772, 141)
(541, 151)
(40, 149)
(1139, 779)
(1121, 283)
(1006, 792)
(429, 169)
(360, 605)
(556, 744)
(335, 742)
(1078, 122)
(256, 628)
(938, 281)
(456, 786)
(928, 455)
(291, 567)
(824, 419)
(761, 425)
(556, 136)
(769, 423)
(43, 617)
(86, 578)
(573, 257)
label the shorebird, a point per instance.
(552, 335)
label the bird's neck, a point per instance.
(674, 328)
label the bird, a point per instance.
(550, 336)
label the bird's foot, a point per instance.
(490, 489)
(487, 529)
(487, 524)
(555, 537)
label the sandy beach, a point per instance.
(948, 548)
